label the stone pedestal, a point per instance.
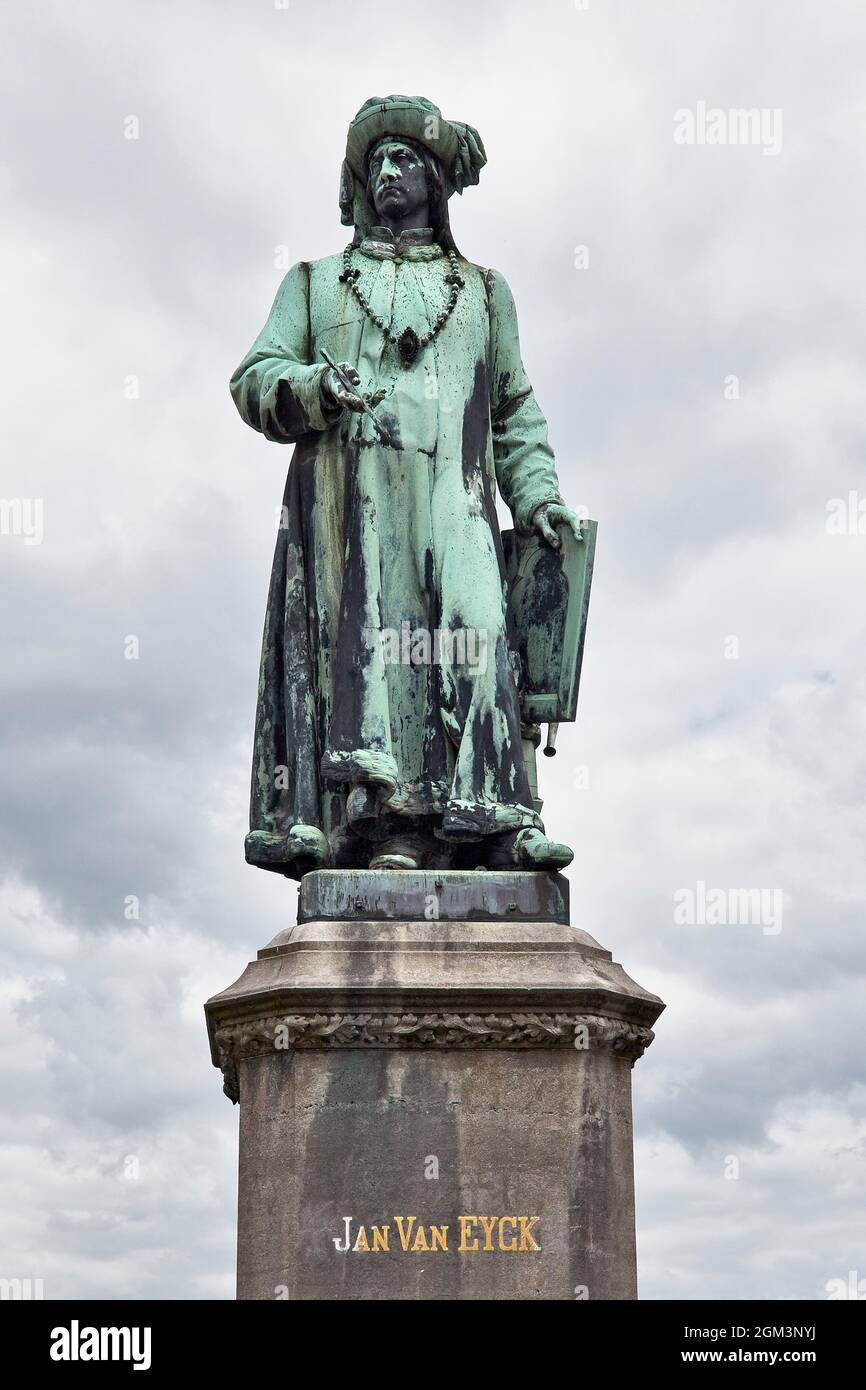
(443, 1060)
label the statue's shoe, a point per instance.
(304, 848)
(394, 861)
(403, 852)
(527, 849)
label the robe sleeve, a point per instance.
(525, 468)
(276, 388)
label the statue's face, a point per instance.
(398, 180)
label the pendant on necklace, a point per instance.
(408, 346)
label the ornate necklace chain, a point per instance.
(407, 343)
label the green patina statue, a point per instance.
(389, 731)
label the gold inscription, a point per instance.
(506, 1235)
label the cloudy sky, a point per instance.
(701, 365)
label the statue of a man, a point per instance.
(388, 726)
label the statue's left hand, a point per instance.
(548, 516)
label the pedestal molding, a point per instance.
(236, 1040)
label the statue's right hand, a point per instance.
(336, 393)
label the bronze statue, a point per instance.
(388, 731)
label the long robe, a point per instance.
(382, 544)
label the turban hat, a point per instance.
(457, 146)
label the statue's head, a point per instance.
(396, 179)
(401, 152)
(405, 181)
